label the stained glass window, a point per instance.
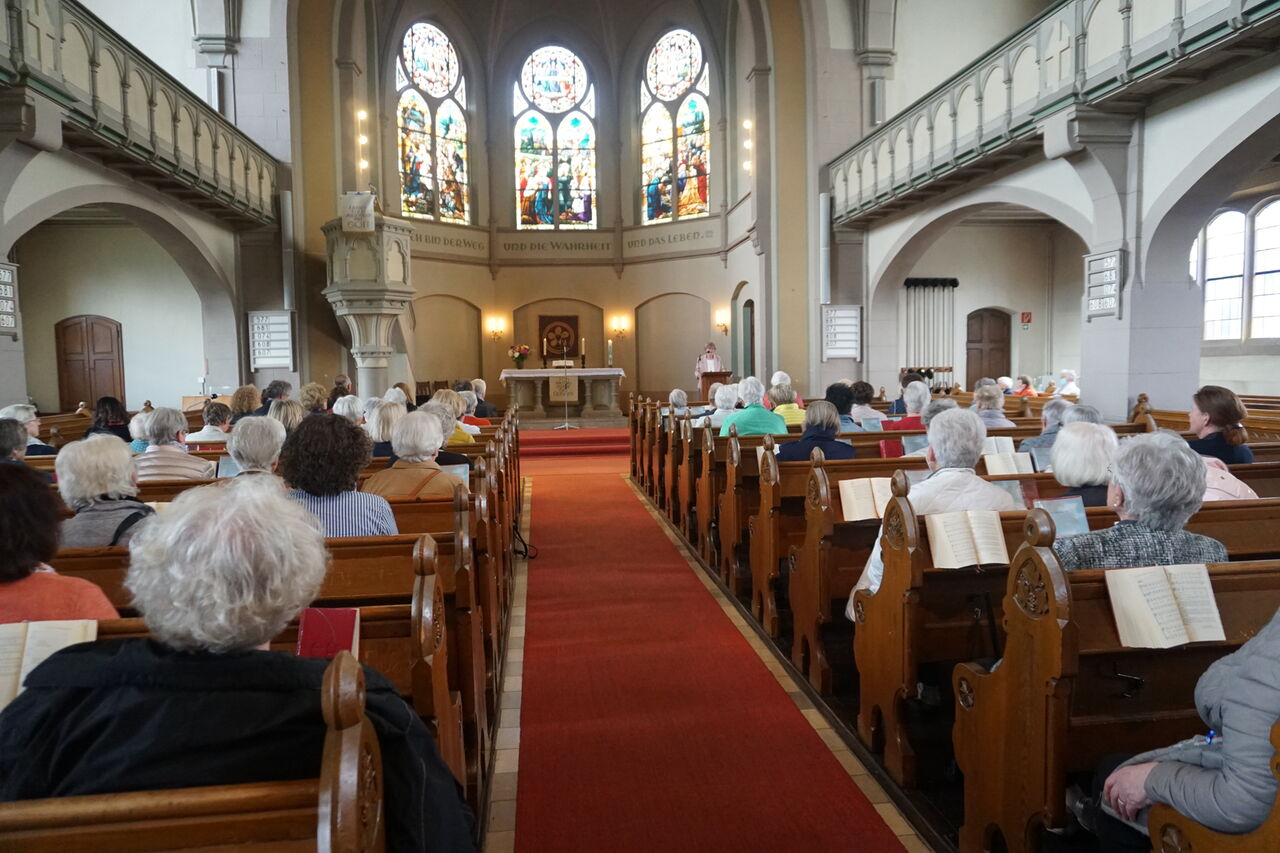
(675, 138)
(554, 105)
(432, 127)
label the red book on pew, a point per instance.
(890, 448)
(325, 631)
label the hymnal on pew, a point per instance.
(1008, 463)
(993, 444)
(971, 538)
(1158, 607)
(25, 645)
(325, 631)
(865, 498)
(914, 443)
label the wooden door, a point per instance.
(987, 345)
(90, 360)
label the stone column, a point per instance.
(369, 289)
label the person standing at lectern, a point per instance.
(708, 362)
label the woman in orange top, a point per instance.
(30, 591)
(1025, 388)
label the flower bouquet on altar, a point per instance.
(518, 354)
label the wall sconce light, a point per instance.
(497, 327)
(747, 145)
(722, 321)
(620, 326)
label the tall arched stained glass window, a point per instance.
(675, 138)
(554, 105)
(432, 125)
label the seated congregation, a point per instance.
(195, 544)
(879, 566)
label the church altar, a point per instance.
(598, 395)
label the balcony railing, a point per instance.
(1079, 52)
(125, 110)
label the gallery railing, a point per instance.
(1078, 52)
(124, 109)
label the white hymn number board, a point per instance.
(842, 332)
(9, 300)
(271, 340)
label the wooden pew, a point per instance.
(1067, 694)
(1175, 831)
(342, 810)
(925, 615)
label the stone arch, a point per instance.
(895, 264)
(211, 282)
(1209, 177)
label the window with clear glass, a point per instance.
(1266, 273)
(431, 122)
(554, 105)
(675, 138)
(1224, 277)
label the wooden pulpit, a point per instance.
(709, 378)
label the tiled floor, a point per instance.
(501, 830)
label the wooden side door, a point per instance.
(90, 360)
(987, 345)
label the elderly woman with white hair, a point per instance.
(1157, 483)
(955, 445)
(1081, 458)
(96, 480)
(469, 416)
(1050, 424)
(350, 408)
(415, 473)
(914, 399)
(216, 578)
(782, 379)
(1069, 383)
(26, 415)
(443, 414)
(754, 418)
(138, 432)
(726, 403)
(166, 457)
(988, 402)
(255, 445)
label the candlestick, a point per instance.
(544, 347)
(583, 347)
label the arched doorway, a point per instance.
(987, 340)
(90, 354)
(749, 338)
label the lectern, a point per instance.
(709, 378)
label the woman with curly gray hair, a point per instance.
(1156, 485)
(203, 701)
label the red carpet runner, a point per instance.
(574, 442)
(647, 722)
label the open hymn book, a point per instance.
(1008, 463)
(25, 645)
(1158, 607)
(971, 538)
(865, 497)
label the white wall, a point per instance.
(116, 271)
(1016, 267)
(936, 38)
(1245, 374)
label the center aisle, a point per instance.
(648, 722)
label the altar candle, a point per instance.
(610, 349)
(583, 348)
(544, 347)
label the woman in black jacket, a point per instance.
(203, 701)
(110, 417)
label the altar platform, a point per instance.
(592, 395)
